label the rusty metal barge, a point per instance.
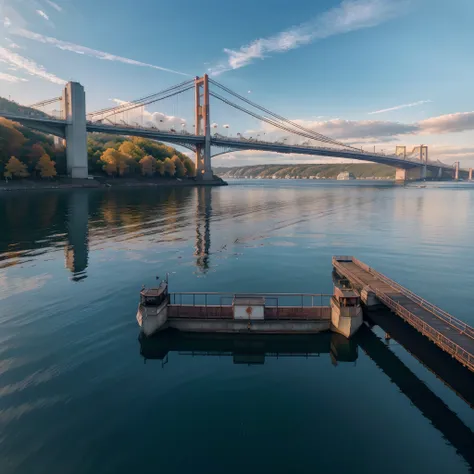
(306, 313)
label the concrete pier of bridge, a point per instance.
(74, 113)
(411, 174)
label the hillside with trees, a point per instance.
(310, 171)
(25, 153)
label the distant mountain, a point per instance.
(316, 171)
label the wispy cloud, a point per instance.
(54, 5)
(43, 14)
(350, 15)
(11, 44)
(398, 107)
(78, 49)
(28, 65)
(10, 78)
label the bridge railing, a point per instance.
(272, 300)
(445, 316)
(447, 344)
(444, 342)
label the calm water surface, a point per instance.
(79, 393)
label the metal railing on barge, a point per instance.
(272, 300)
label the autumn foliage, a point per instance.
(27, 153)
(15, 169)
(46, 167)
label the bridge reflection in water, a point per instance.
(255, 349)
(247, 349)
(203, 227)
(76, 251)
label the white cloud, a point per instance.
(375, 131)
(11, 44)
(449, 123)
(54, 5)
(28, 65)
(350, 15)
(398, 107)
(78, 49)
(10, 78)
(43, 14)
(351, 129)
(6, 22)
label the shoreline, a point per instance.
(68, 183)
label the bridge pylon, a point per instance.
(74, 112)
(203, 127)
(456, 170)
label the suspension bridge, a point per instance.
(74, 123)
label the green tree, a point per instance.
(15, 168)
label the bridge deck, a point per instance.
(447, 332)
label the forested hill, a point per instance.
(321, 171)
(17, 109)
(25, 153)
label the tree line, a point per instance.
(25, 153)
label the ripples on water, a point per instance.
(76, 396)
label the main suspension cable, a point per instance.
(281, 118)
(143, 99)
(271, 121)
(135, 106)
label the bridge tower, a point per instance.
(414, 173)
(203, 127)
(456, 170)
(74, 112)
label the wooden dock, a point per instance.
(447, 332)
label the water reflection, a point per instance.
(422, 397)
(77, 249)
(36, 224)
(454, 375)
(255, 349)
(247, 349)
(203, 227)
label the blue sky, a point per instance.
(373, 72)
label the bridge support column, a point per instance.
(470, 174)
(74, 111)
(456, 170)
(440, 173)
(411, 174)
(203, 127)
